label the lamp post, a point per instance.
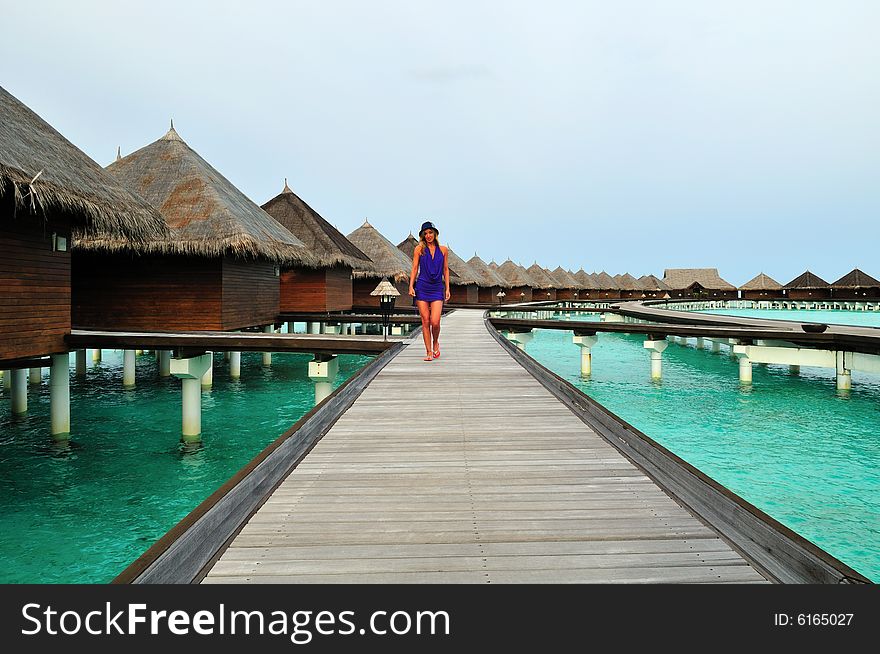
(501, 295)
(387, 295)
(522, 296)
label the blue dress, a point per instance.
(429, 284)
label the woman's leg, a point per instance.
(425, 315)
(436, 312)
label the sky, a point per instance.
(627, 136)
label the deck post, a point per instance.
(164, 363)
(267, 356)
(96, 355)
(80, 357)
(716, 346)
(586, 343)
(397, 330)
(128, 368)
(844, 371)
(208, 377)
(19, 391)
(732, 342)
(701, 343)
(656, 348)
(59, 396)
(331, 328)
(35, 376)
(520, 339)
(314, 327)
(323, 370)
(745, 363)
(7, 379)
(235, 365)
(190, 372)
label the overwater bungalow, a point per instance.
(567, 287)
(761, 287)
(51, 193)
(856, 285)
(629, 286)
(545, 288)
(323, 289)
(388, 261)
(807, 286)
(606, 286)
(587, 286)
(490, 282)
(704, 283)
(219, 269)
(652, 287)
(520, 282)
(463, 288)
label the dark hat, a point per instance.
(428, 225)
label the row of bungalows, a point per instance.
(387, 262)
(855, 285)
(52, 195)
(490, 284)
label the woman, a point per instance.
(429, 285)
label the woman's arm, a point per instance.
(415, 269)
(446, 270)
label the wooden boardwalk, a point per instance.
(490, 480)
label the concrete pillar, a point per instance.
(235, 365)
(331, 329)
(190, 371)
(844, 372)
(35, 376)
(745, 370)
(288, 327)
(323, 370)
(700, 343)
(208, 377)
(732, 342)
(520, 339)
(59, 396)
(586, 344)
(314, 327)
(794, 370)
(267, 356)
(138, 353)
(19, 390)
(164, 363)
(96, 355)
(716, 346)
(397, 330)
(80, 357)
(656, 348)
(128, 376)
(7, 378)
(226, 356)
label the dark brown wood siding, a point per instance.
(339, 288)
(811, 294)
(304, 289)
(150, 293)
(463, 294)
(250, 293)
(762, 295)
(518, 294)
(361, 298)
(488, 295)
(34, 288)
(565, 294)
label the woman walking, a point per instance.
(429, 285)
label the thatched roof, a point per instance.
(408, 247)
(681, 278)
(565, 278)
(605, 282)
(388, 261)
(486, 276)
(761, 282)
(208, 215)
(542, 280)
(43, 173)
(856, 279)
(324, 241)
(585, 281)
(515, 275)
(807, 280)
(651, 283)
(493, 265)
(627, 282)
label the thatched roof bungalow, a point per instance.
(629, 286)
(546, 285)
(322, 289)
(761, 287)
(489, 281)
(807, 286)
(218, 270)
(607, 288)
(698, 283)
(51, 193)
(388, 261)
(520, 283)
(856, 285)
(566, 286)
(652, 287)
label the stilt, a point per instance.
(520, 339)
(190, 371)
(586, 344)
(314, 328)
(128, 368)
(397, 330)
(19, 391)
(7, 379)
(235, 365)
(701, 343)
(35, 376)
(59, 396)
(322, 370)
(745, 370)
(656, 348)
(164, 363)
(716, 346)
(330, 328)
(96, 355)
(80, 357)
(794, 370)
(844, 373)
(226, 356)
(267, 356)
(208, 377)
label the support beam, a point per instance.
(235, 365)
(190, 371)
(716, 346)
(586, 343)
(397, 330)
(844, 373)
(80, 357)
(96, 355)
(267, 356)
(656, 348)
(323, 370)
(128, 368)
(7, 379)
(35, 376)
(59, 396)
(19, 391)
(520, 339)
(745, 370)
(164, 363)
(314, 327)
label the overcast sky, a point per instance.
(624, 136)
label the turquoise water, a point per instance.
(858, 318)
(792, 445)
(82, 514)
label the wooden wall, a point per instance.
(326, 289)
(804, 294)
(34, 288)
(565, 294)
(540, 294)
(488, 295)
(463, 294)
(762, 295)
(361, 298)
(513, 294)
(250, 293)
